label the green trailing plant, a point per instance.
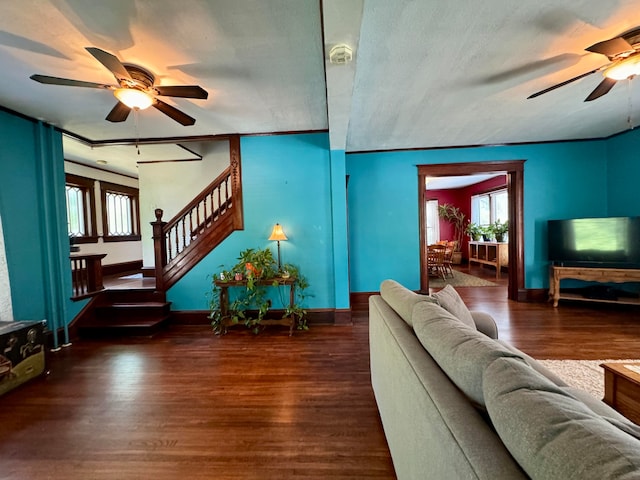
(250, 303)
(453, 215)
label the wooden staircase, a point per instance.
(214, 214)
(137, 312)
(179, 244)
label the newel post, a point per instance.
(159, 249)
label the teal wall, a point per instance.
(286, 179)
(339, 229)
(623, 175)
(561, 180)
(33, 212)
(297, 181)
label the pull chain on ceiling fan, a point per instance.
(135, 89)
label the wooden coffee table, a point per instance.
(622, 389)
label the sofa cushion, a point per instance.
(605, 411)
(460, 350)
(401, 299)
(550, 433)
(449, 299)
(536, 365)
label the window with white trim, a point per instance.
(81, 216)
(433, 222)
(120, 213)
(487, 208)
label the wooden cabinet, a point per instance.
(622, 388)
(601, 275)
(489, 253)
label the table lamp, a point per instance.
(277, 234)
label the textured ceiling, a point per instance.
(424, 74)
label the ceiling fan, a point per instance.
(623, 53)
(135, 89)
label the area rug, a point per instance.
(586, 375)
(460, 280)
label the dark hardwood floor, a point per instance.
(573, 330)
(188, 404)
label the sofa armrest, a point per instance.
(485, 324)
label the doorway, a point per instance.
(514, 170)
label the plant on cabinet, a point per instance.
(500, 230)
(250, 304)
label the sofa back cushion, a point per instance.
(550, 433)
(449, 299)
(460, 350)
(401, 299)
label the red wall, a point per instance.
(461, 198)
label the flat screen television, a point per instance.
(612, 242)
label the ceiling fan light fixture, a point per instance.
(133, 98)
(623, 69)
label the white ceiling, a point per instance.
(445, 183)
(424, 74)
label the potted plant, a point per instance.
(453, 215)
(250, 303)
(487, 232)
(500, 230)
(474, 231)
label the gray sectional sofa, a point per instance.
(457, 403)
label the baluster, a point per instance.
(184, 234)
(169, 247)
(214, 212)
(219, 199)
(74, 276)
(177, 240)
(199, 227)
(206, 217)
(84, 282)
(190, 225)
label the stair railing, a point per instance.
(200, 226)
(86, 275)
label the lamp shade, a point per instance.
(277, 233)
(133, 98)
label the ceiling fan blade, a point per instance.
(562, 84)
(174, 113)
(602, 89)
(68, 82)
(119, 113)
(110, 61)
(185, 91)
(612, 47)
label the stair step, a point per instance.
(133, 296)
(127, 313)
(139, 327)
(137, 305)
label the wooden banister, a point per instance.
(86, 275)
(201, 225)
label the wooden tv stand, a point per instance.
(590, 274)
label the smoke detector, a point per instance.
(340, 54)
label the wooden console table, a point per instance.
(602, 275)
(224, 299)
(489, 253)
